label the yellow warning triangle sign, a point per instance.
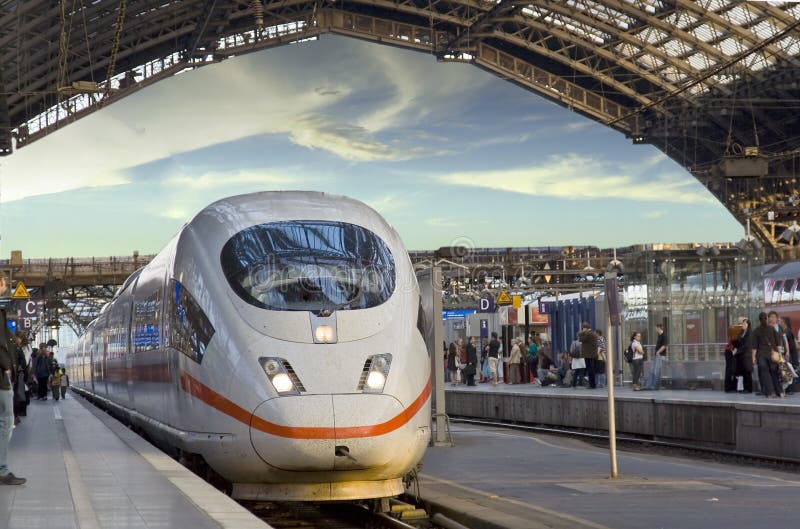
(20, 292)
(503, 298)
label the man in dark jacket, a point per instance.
(588, 341)
(7, 368)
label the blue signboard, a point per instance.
(484, 329)
(456, 314)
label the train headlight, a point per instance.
(376, 380)
(375, 373)
(282, 376)
(282, 383)
(324, 334)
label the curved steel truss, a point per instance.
(706, 81)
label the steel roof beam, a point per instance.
(551, 86)
(487, 19)
(557, 6)
(612, 57)
(669, 29)
(735, 29)
(129, 42)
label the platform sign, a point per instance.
(504, 298)
(30, 309)
(486, 304)
(20, 292)
(516, 301)
(484, 329)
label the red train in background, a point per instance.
(782, 292)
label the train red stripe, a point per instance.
(202, 392)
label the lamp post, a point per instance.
(612, 321)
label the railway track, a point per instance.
(302, 515)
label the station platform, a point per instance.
(747, 424)
(495, 478)
(85, 470)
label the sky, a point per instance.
(447, 153)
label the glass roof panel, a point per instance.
(650, 62)
(766, 29)
(716, 5)
(681, 19)
(627, 50)
(794, 11)
(790, 45)
(756, 62)
(673, 74)
(705, 33)
(700, 61)
(739, 15)
(605, 13)
(652, 35)
(731, 47)
(675, 48)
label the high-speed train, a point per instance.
(276, 337)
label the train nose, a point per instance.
(295, 433)
(325, 432)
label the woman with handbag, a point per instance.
(766, 356)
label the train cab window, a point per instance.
(309, 266)
(189, 329)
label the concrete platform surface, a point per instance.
(85, 470)
(698, 395)
(498, 478)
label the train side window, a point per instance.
(189, 329)
(146, 322)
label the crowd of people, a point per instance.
(528, 360)
(769, 349)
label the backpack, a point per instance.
(629, 353)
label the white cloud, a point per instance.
(389, 203)
(577, 177)
(220, 179)
(655, 214)
(350, 142)
(270, 92)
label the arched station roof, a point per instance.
(715, 84)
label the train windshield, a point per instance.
(309, 265)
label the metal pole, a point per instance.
(438, 355)
(612, 419)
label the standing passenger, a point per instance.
(472, 361)
(588, 340)
(452, 363)
(494, 355)
(6, 395)
(42, 370)
(638, 360)
(786, 329)
(654, 380)
(600, 365)
(533, 359)
(765, 340)
(55, 383)
(515, 360)
(743, 344)
(64, 383)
